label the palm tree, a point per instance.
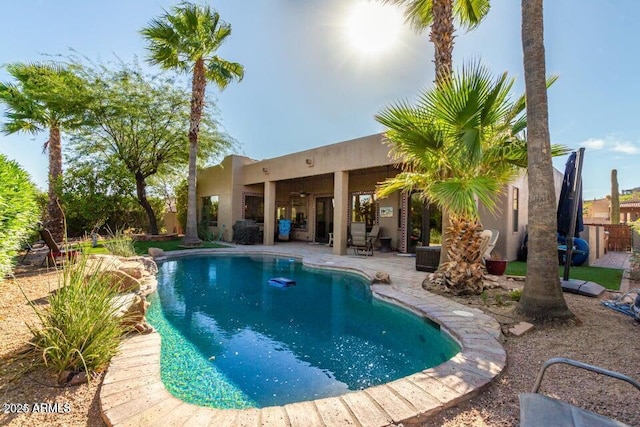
(45, 96)
(542, 296)
(439, 15)
(186, 40)
(460, 143)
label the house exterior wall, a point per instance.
(360, 164)
(224, 181)
(598, 212)
(360, 153)
(510, 223)
(503, 218)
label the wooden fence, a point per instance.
(619, 237)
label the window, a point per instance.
(210, 211)
(363, 209)
(516, 204)
(254, 208)
(281, 212)
(299, 212)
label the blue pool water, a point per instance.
(230, 340)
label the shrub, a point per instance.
(80, 330)
(515, 294)
(120, 244)
(18, 211)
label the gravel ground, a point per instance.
(602, 337)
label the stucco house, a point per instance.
(599, 210)
(322, 190)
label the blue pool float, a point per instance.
(281, 282)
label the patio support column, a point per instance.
(340, 211)
(269, 212)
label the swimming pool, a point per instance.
(229, 340)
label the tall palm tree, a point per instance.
(542, 296)
(439, 15)
(460, 143)
(45, 96)
(187, 40)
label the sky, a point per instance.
(315, 75)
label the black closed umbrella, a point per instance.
(570, 190)
(570, 205)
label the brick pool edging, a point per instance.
(132, 393)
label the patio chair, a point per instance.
(493, 239)
(56, 253)
(361, 241)
(539, 410)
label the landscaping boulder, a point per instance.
(155, 252)
(133, 269)
(148, 263)
(134, 316)
(122, 280)
(98, 262)
(381, 277)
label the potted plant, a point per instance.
(496, 265)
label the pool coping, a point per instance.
(132, 392)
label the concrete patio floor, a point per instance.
(132, 393)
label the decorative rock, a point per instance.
(520, 329)
(155, 252)
(148, 263)
(381, 277)
(133, 268)
(123, 281)
(64, 377)
(99, 262)
(136, 311)
(79, 378)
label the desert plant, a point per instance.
(79, 328)
(120, 244)
(18, 211)
(484, 296)
(515, 294)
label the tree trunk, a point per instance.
(197, 103)
(615, 198)
(55, 217)
(446, 222)
(442, 37)
(542, 297)
(141, 190)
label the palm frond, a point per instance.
(470, 13)
(417, 13)
(222, 72)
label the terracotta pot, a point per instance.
(496, 267)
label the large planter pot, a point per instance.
(496, 267)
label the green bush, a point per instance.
(80, 330)
(515, 294)
(120, 244)
(95, 193)
(18, 211)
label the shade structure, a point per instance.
(570, 190)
